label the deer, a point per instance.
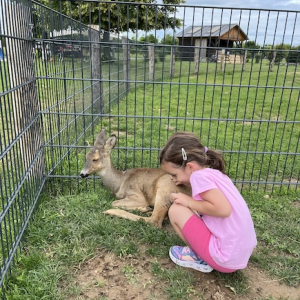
(140, 189)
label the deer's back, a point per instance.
(148, 181)
(143, 177)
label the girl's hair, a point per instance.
(189, 143)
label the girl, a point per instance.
(215, 222)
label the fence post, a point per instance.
(25, 107)
(126, 63)
(222, 60)
(172, 62)
(244, 60)
(151, 62)
(197, 55)
(97, 97)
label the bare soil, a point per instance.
(105, 277)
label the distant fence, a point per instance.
(65, 74)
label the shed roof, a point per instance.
(209, 31)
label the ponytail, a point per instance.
(216, 160)
(193, 151)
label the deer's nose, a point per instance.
(84, 175)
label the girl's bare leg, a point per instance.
(178, 216)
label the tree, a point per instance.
(169, 40)
(149, 39)
(294, 55)
(253, 49)
(120, 17)
(251, 45)
(281, 52)
(117, 17)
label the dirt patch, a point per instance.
(110, 277)
(261, 284)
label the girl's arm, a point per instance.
(214, 203)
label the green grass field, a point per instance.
(69, 230)
(239, 112)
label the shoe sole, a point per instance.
(191, 265)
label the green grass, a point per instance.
(277, 224)
(68, 230)
(207, 103)
(199, 103)
(154, 112)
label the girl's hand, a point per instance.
(213, 203)
(180, 198)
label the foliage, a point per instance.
(133, 17)
(252, 49)
(293, 56)
(161, 52)
(257, 58)
(169, 40)
(281, 52)
(251, 45)
(149, 39)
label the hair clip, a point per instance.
(184, 156)
(205, 149)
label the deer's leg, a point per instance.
(162, 205)
(133, 202)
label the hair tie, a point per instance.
(184, 156)
(205, 149)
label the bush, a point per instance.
(257, 58)
(161, 53)
(293, 56)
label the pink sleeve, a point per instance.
(201, 182)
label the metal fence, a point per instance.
(142, 71)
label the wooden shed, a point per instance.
(208, 40)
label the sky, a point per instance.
(264, 21)
(258, 4)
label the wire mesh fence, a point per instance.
(142, 71)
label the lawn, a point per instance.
(68, 231)
(251, 115)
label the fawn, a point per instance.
(141, 189)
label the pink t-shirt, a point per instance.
(233, 238)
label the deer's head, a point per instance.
(99, 156)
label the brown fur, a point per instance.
(137, 189)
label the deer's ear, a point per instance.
(110, 142)
(100, 139)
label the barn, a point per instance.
(210, 39)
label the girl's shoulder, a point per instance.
(209, 173)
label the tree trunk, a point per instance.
(23, 94)
(272, 62)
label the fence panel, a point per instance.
(21, 139)
(229, 75)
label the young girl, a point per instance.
(215, 222)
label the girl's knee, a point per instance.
(179, 214)
(174, 210)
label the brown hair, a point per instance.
(195, 151)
